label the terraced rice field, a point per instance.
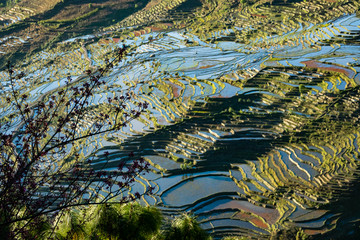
(251, 136)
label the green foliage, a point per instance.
(124, 222)
(4, 230)
(302, 88)
(130, 221)
(70, 226)
(234, 238)
(186, 165)
(186, 227)
(107, 222)
(39, 228)
(292, 233)
(141, 220)
(10, 3)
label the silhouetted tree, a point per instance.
(42, 170)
